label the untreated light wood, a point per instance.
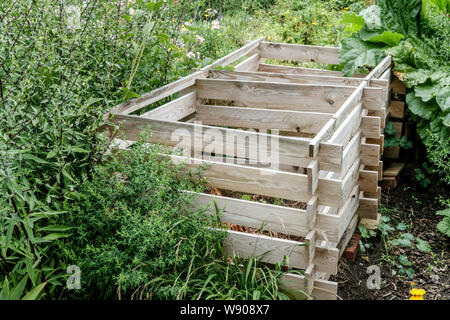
(296, 52)
(249, 64)
(257, 118)
(292, 78)
(246, 245)
(297, 70)
(174, 110)
(283, 96)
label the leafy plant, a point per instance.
(444, 225)
(392, 140)
(418, 43)
(422, 174)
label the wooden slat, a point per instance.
(291, 150)
(398, 86)
(246, 245)
(272, 218)
(380, 68)
(174, 110)
(296, 52)
(294, 285)
(291, 78)
(396, 109)
(370, 127)
(348, 128)
(249, 64)
(368, 180)
(257, 215)
(295, 97)
(268, 119)
(297, 70)
(370, 154)
(368, 208)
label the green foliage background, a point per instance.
(419, 43)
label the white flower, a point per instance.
(190, 55)
(199, 39)
(215, 24)
(132, 11)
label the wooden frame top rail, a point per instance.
(146, 99)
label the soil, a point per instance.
(416, 208)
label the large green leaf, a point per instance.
(443, 98)
(356, 53)
(400, 15)
(353, 22)
(387, 37)
(423, 245)
(420, 108)
(426, 91)
(444, 226)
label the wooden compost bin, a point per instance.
(325, 161)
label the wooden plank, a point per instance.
(270, 217)
(267, 119)
(296, 52)
(295, 97)
(266, 182)
(351, 102)
(297, 70)
(393, 169)
(312, 171)
(348, 234)
(368, 208)
(380, 68)
(322, 135)
(249, 64)
(294, 285)
(267, 217)
(174, 110)
(378, 168)
(370, 154)
(374, 195)
(368, 180)
(398, 86)
(246, 245)
(349, 127)
(369, 223)
(160, 93)
(291, 150)
(370, 127)
(292, 78)
(350, 154)
(396, 109)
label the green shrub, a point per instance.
(133, 224)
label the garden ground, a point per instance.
(415, 207)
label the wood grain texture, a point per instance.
(297, 70)
(295, 97)
(292, 78)
(296, 52)
(174, 110)
(267, 119)
(246, 245)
